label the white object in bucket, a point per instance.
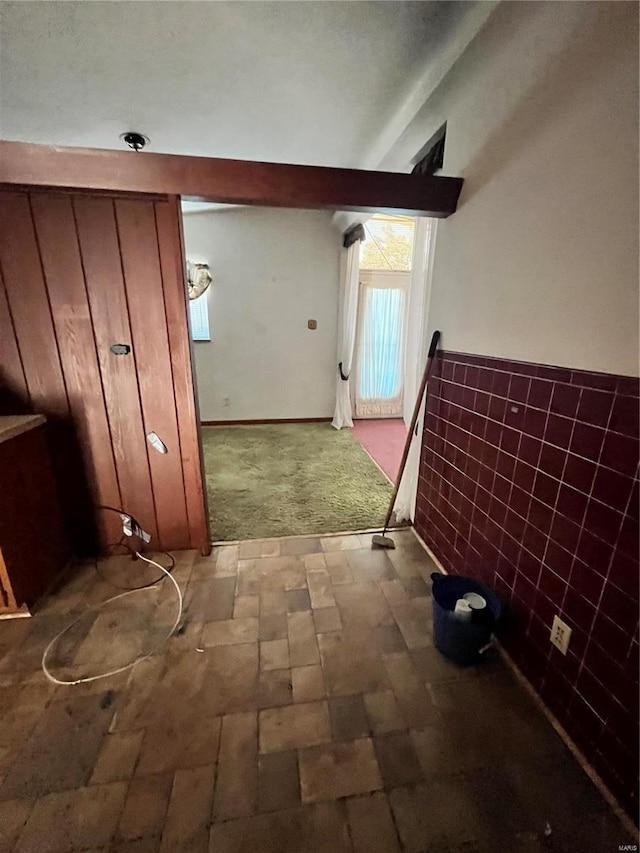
(476, 602)
(462, 611)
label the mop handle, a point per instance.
(414, 419)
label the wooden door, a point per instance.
(80, 274)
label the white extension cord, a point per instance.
(89, 678)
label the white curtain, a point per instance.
(380, 351)
(415, 358)
(347, 322)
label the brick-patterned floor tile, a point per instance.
(389, 639)
(230, 632)
(165, 747)
(351, 663)
(301, 547)
(231, 678)
(308, 683)
(338, 568)
(207, 601)
(246, 606)
(383, 712)
(236, 789)
(370, 565)
(118, 757)
(413, 698)
(327, 619)
(297, 599)
(348, 717)
(145, 808)
(278, 782)
(395, 592)
(186, 827)
(314, 561)
(320, 589)
(416, 588)
(61, 751)
(226, 560)
(317, 829)
(340, 543)
(275, 688)
(335, 770)
(259, 548)
(371, 824)
(294, 726)
(273, 624)
(362, 605)
(273, 601)
(303, 647)
(79, 819)
(130, 765)
(413, 626)
(397, 759)
(274, 654)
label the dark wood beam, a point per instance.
(228, 181)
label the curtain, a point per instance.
(379, 387)
(347, 322)
(415, 358)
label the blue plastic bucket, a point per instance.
(461, 642)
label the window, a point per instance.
(199, 310)
(380, 343)
(388, 243)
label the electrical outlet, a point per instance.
(560, 634)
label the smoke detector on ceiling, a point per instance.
(136, 141)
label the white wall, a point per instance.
(273, 270)
(540, 263)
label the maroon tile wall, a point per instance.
(529, 482)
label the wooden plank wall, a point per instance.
(80, 272)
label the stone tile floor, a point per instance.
(301, 707)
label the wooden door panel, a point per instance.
(100, 252)
(14, 393)
(28, 300)
(56, 231)
(168, 222)
(78, 273)
(143, 283)
(34, 330)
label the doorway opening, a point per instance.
(264, 334)
(386, 260)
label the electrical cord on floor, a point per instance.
(135, 528)
(132, 551)
(86, 679)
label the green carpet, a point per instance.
(290, 479)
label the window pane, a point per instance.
(380, 372)
(199, 310)
(388, 243)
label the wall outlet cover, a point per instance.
(560, 634)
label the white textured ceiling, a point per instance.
(298, 82)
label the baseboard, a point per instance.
(607, 795)
(257, 422)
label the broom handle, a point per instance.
(414, 418)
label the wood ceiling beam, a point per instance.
(228, 181)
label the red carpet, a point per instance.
(383, 440)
